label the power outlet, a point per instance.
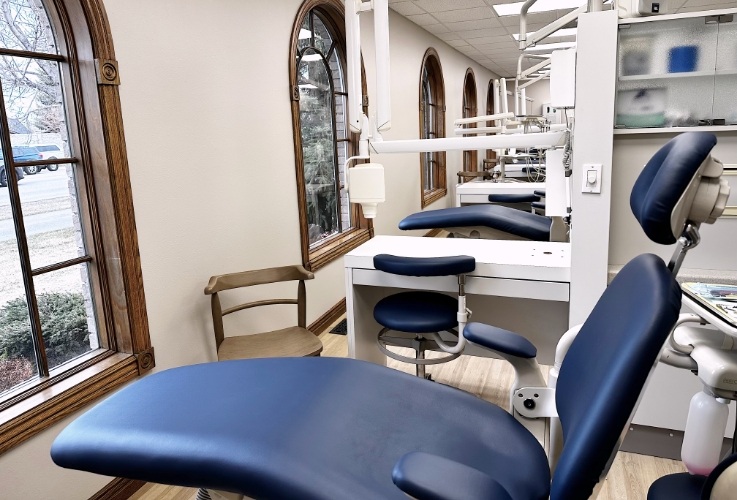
(591, 182)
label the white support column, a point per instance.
(596, 66)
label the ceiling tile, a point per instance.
(490, 39)
(454, 16)
(480, 24)
(457, 43)
(443, 5)
(423, 19)
(436, 29)
(447, 37)
(406, 8)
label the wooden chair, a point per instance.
(291, 341)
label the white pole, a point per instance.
(353, 60)
(383, 81)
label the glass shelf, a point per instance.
(677, 73)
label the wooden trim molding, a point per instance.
(470, 109)
(328, 318)
(42, 410)
(118, 489)
(431, 61)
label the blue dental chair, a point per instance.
(329, 428)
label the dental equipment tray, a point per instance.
(716, 303)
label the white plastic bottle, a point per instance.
(704, 434)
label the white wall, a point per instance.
(208, 130)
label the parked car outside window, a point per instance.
(20, 153)
(49, 152)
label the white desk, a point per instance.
(479, 191)
(518, 285)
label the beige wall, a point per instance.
(208, 130)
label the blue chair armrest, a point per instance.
(499, 340)
(429, 477)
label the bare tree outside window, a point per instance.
(47, 310)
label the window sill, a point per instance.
(429, 197)
(336, 247)
(32, 415)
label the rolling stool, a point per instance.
(420, 313)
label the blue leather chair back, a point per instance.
(597, 391)
(664, 180)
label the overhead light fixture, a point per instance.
(559, 33)
(550, 46)
(303, 34)
(513, 9)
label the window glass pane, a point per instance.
(33, 100)
(304, 39)
(24, 25)
(318, 146)
(66, 311)
(51, 217)
(345, 212)
(17, 354)
(323, 39)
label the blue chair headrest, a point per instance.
(665, 180)
(424, 266)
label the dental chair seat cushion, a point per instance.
(500, 340)
(683, 486)
(417, 312)
(424, 266)
(204, 427)
(658, 190)
(513, 198)
(524, 224)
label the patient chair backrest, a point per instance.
(608, 364)
(606, 368)
(679, 184)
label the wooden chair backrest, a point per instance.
(231, 281)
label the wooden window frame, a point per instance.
(470, 109)
(85, 41)
(431, 65)
(490, 153)
(330, 249)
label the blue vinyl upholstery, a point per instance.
(297, 428)
(524, 224)
(417, 312)
(424, 266)
(499, 339)
(513, 198)
(335, 428)
(657, 191)
(539, 192)
(595, 392)
(685, 486)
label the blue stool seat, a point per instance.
(539, 205)
(513, 198)
(227, 426)
(417, 312)
(683, 486)
(524, 224)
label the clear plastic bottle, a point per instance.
(704, 434)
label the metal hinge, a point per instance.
(107, 72)
(535, 402)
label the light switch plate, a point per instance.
(591, 180)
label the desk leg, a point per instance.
(362, 329)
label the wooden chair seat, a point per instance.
(292, 341)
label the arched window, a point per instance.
(72, 311)
(432, 125)
(470, 109)
(330, 226)
(490, 153)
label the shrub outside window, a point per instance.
(70, 328)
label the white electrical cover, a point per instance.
(563, 78)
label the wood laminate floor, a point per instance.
(628, 479)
